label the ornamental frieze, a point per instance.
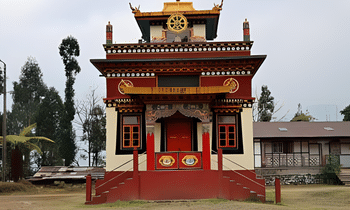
(155, 112)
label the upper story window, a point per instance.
(178, 81)
(131, 132)
(227, 132)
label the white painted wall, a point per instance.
(157, 136)
(247, 159)
(345, 149)
(199, 136)
(111, 135)
(112, 160)
(156, 31)
(199, 30)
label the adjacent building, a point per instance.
(283, 148)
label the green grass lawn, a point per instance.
(73, 197)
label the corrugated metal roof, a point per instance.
(301, 129)
(63, 172)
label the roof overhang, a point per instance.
(103, 65)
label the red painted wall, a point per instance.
(243, 92)
(112, 85)
(165, 185)
(245, 86)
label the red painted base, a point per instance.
(172, 185)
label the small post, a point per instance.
(221, 177)
(278, 190)
(136, 163)
(136, 171)
(220, 162)
(88, 188)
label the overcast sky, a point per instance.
(307, 44)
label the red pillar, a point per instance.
(136, 171)
(278, 190)
(221, 176)
(206, 151)
(88, 188)
(136, 163)
(150, 152)
(220, 161)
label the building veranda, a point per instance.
(179, 110)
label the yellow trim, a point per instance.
(197, 12)
(178, 6)
(176, 90)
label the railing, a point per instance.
(121, 165)
(177, 47)
(238, 172)
(291, 160)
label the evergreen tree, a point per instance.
(265, 105)
(346, 113)
(48, 124)
(27, 94)
(69, 50)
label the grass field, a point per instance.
(68, 197)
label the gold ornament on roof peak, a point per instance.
(134, 9)
(218, 7)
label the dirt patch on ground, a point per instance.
(293, 197)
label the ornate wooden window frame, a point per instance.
(238, 134)
(224, 134)
(227, 137)
(131, 133)
(120, 150)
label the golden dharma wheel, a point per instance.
(177, 23)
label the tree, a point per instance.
(266, 105)
(22, 143)
(300, 116)
(346, 113)
(69, 50)
(48, 124)
(27, 94)
(92, 120)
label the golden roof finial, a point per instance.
(134, 9)
(217, 6)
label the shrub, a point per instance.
(331, 170)
(10, 187)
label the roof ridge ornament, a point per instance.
(134, 9)
(218, 7)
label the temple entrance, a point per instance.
(178, 133)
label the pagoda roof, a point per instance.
(208, 17)
(181, 65)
